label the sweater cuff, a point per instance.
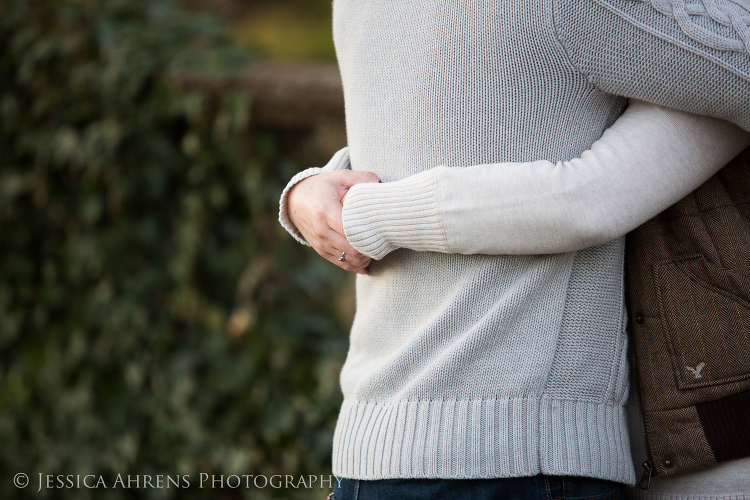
(339, 161)
(379, 218)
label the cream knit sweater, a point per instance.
(466, 361)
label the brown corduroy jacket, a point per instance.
(688, 293)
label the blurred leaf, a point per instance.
(153, 317)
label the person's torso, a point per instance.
(453, 83)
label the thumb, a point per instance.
(353, 177)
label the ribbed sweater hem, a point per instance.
(484, 438)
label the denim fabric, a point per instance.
(523, 488)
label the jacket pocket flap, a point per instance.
(705, 310)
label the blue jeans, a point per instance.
(516, 488)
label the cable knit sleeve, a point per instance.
(648, 160)
(668, 52)
(339, 161)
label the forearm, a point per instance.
(649, 159)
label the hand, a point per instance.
(315, 209)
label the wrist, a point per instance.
(379, 218)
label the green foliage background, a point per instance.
(154, 317)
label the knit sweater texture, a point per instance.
(475, 366)
(486, 364)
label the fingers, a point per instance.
(330, 244)
(348, 178)
(334, 244)
(337, 223)
(314, 206)
(346, 266)
(329, 236)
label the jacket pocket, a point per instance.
(706, 311)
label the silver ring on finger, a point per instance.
(343, 257)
